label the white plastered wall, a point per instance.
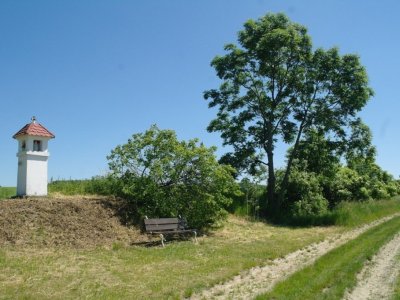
(32, 167)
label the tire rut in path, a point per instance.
(377, 279)
(259, 280)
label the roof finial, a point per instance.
(33, 119)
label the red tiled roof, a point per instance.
(34, 129)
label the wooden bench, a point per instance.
(168, 226)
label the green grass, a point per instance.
(95, 186)
(333, 273)
(351, 214)
(69, 187)
(147, 273)
(396, 292)
(7, 192)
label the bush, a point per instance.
(164, 177)
(350, 185)
(346, 185)
(305, 195)
(310, 196)
(310, 206)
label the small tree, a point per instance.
(165, 177)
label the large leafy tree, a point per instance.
(276, 87)
(165, 177)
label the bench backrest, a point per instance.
(163, 224)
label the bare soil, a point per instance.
(76, 222)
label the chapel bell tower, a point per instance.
(32, 159)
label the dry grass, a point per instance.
(239, 229)
(77, 222)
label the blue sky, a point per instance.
(95, 72)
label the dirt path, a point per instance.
(377, 278)
(261, 279)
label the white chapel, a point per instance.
(32, 156)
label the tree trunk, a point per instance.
(271, 199)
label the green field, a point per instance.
(7, 192)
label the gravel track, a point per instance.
(261, 279)
(378, 277)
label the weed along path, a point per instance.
(261, 279)
(378, 277)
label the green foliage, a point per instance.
(318, 158)
(311, 195)
(314, 200)
(316, 154)
(98, 185)
(276, 87)
(348, 185)
(250, 203)
(165, 177)
(7, 192)
(360, 153)
(305, 195)
(309, 205)
(102, 185)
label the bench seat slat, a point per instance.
(172, 231)
(161, 221)
(162, 227)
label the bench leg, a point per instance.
(162, 239)
(195, 236)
